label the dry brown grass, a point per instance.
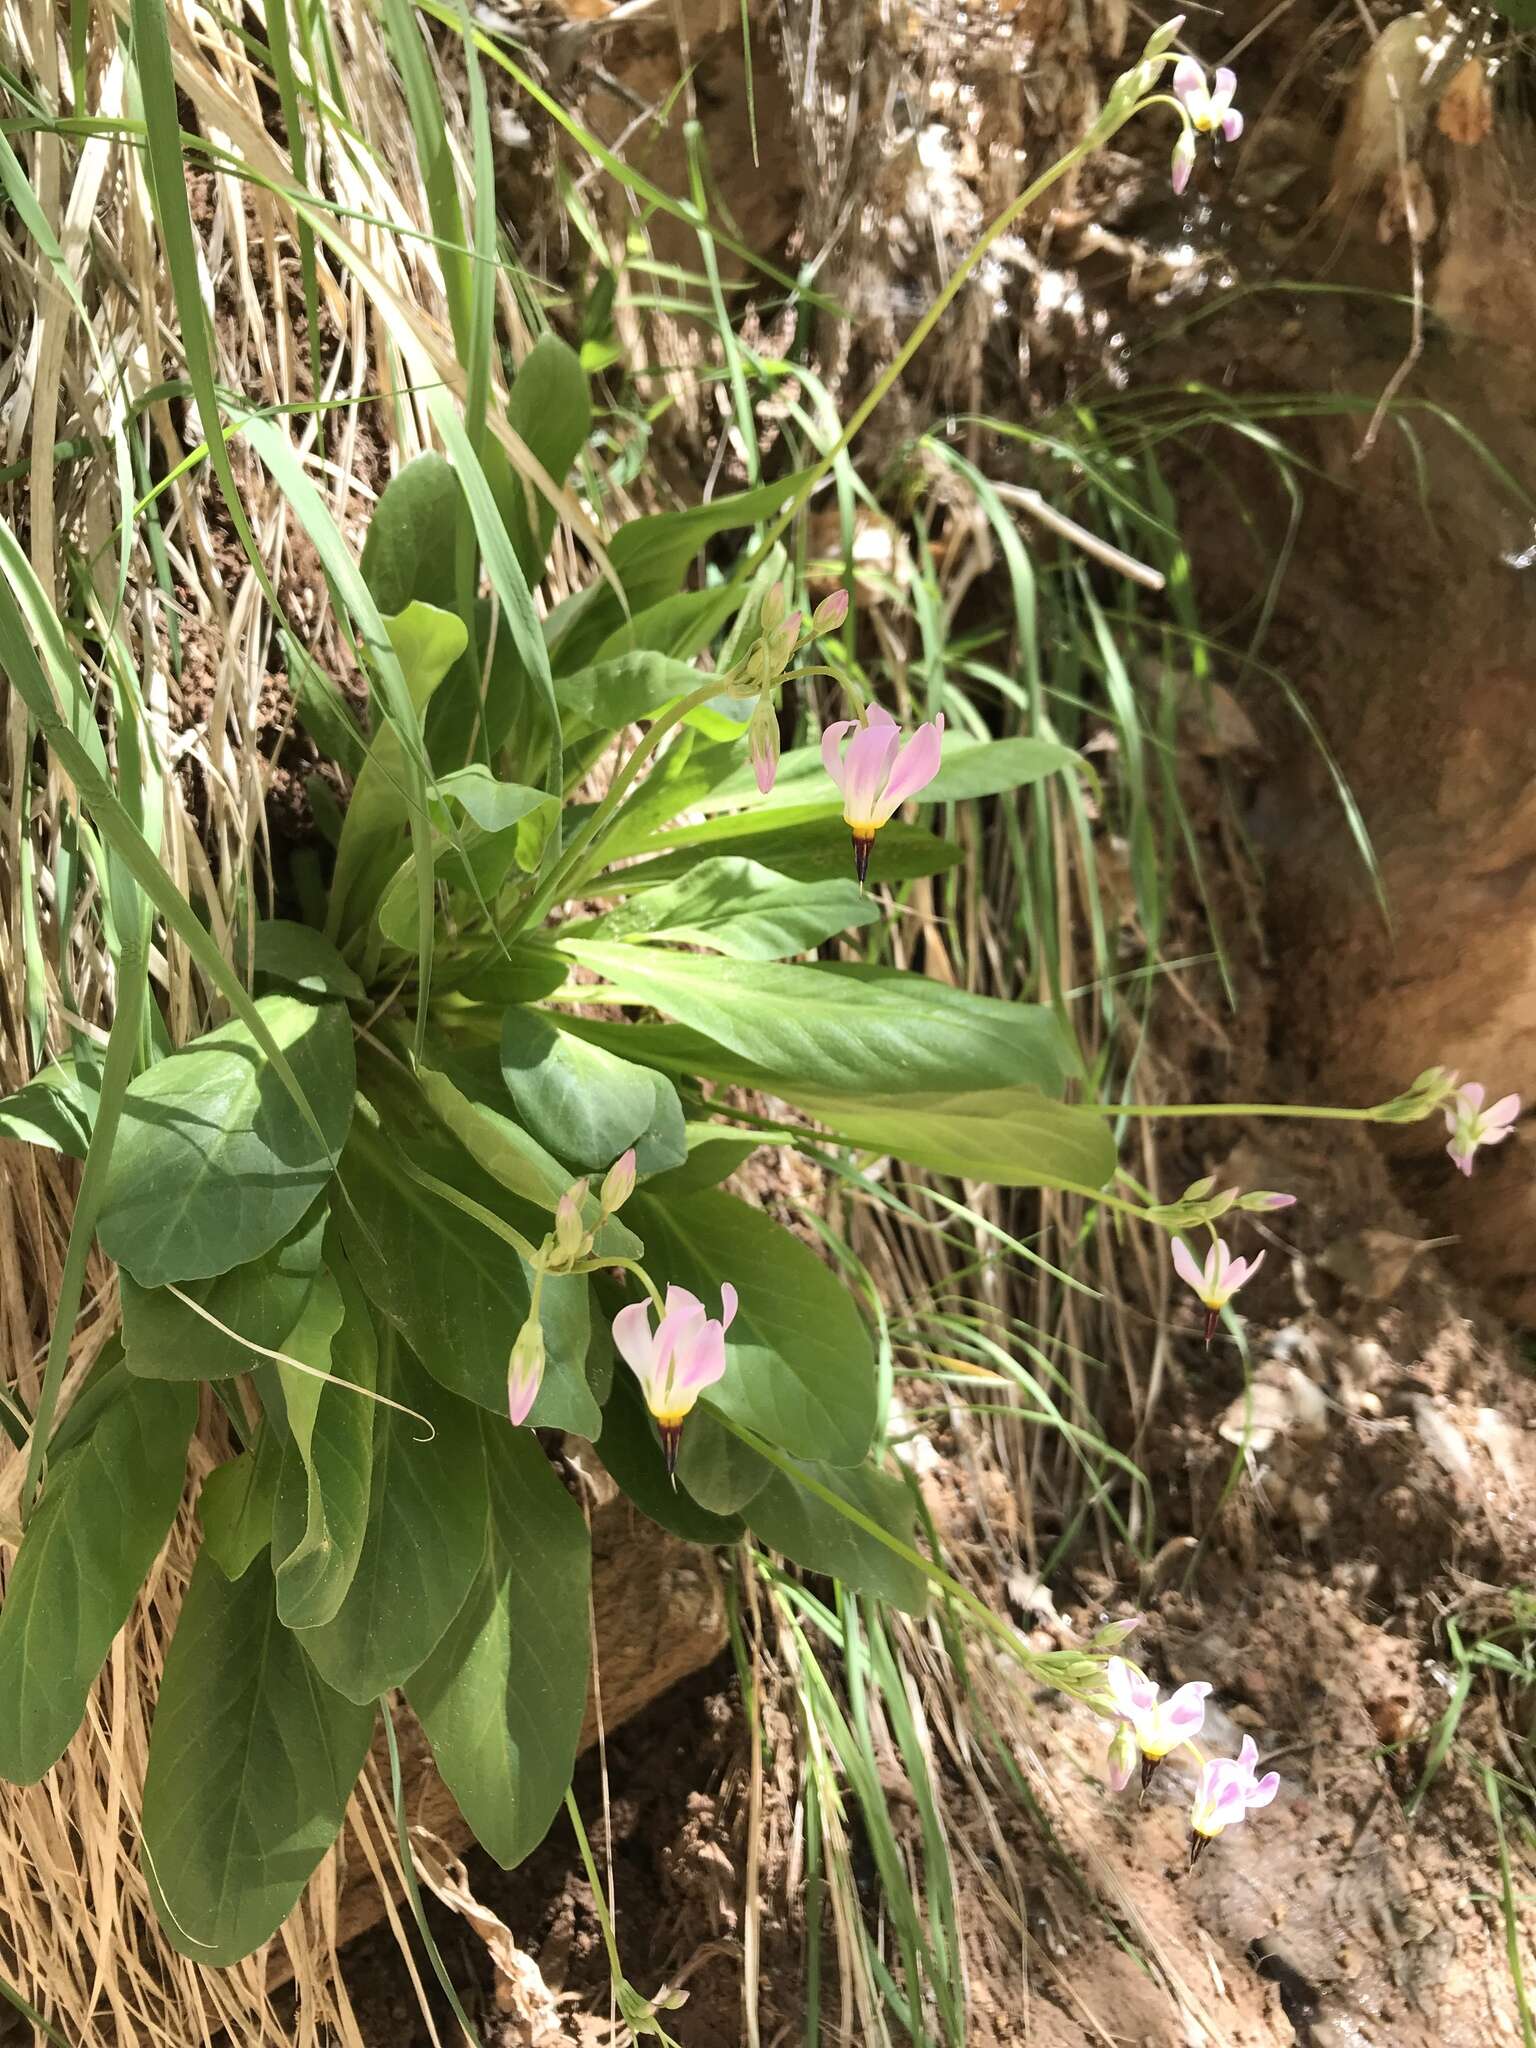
(76, 1936)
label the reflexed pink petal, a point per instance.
(1185, 1709)
(632, 1334)
(1231, 124)
(914, 768)
(1263, 1791)
(680, 1298)
(831, 741)
(878, 715)
(1470, 1095)
(1131, 1693)
(1185, 1266)
(1217, 1260)
(1248, 1755)
(1461, 1155)
(727, 1305)
(700, 1362)
(866, 765)
(1189, 79)
(1504, 1111)
(1223, 86)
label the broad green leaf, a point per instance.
(303, 958)
(631, 1456)
(608, 695)
(741, 909)
(720, 1472)
(584, 1104)
(427, 642)
(800, 1366)
(424, 1538)
(262, 1302)
(1013, 1137)
(407, 551)
(524, 974)
(663, 1143)
(816, 850)
(215, 1162)
(252, 1759)
(56, 1108)
(550, 409)
(815, 1536)
(104, 1514)
(457, 1291)
(235, 1505)
(840, 1032)
(321, 1508)
(652, 556)
(502, 1696)
(680, 627)
(714, 1153)
(467, 1093)
(684, 776)
(500, 825)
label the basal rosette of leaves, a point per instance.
(329, 1207)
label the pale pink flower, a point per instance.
(525, 1371)
(1217, 1281)
(830, 613)
(763, 744)
(1157, 1726)
(1227, 1793)
(1209, 108)
(876, 773)
(1471, 1126)
(676, 1361)
(618, 1183)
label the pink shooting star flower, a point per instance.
(618, 1183)
(525, 1371)
(1227, 1793)
(1209, 108)
(1156, 1727)
(763, 744)
(1266, 1201)
(676, 1361)
(1472, 1126)
(876, 773)
(1219, 1280)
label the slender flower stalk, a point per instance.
(677, 1360)
(1217, 1281)
(876, 772)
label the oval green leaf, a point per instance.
(502, 1696)
(251, 1762)
(214, 1161)
(103, 1517)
